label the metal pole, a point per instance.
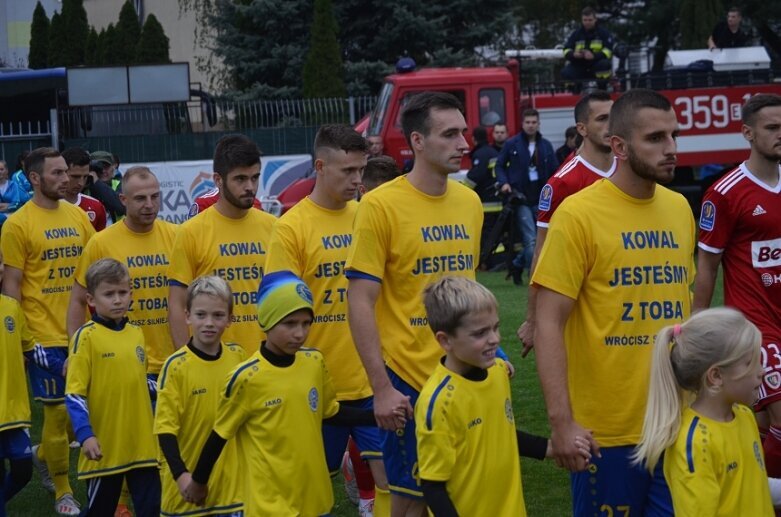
(351, 101)
(55, 128)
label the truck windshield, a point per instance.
(380, 112)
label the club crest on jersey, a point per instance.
(546, 196)
(193, 210)
(314, 399)
(91, 215)
(304, 292)
(508, 411)
(10, 324)
(708, 216)
(140, 354)
(773, 380)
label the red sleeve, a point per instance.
(716, 222)
(100, 217)
(553, 193)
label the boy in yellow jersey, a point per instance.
(229, 240)
(312, 241)
(189, 391)
(616, 266)
(108, 399)
(274, 405)
(41, 244)
(15, 443)
(407, 234)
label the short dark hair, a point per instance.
(757, 103)
(339, 137)
(734, 9)
(115, 159)
(21, 158)
(588, 11)
(416, 115)
(378, 171)
(234, 151)
(37, 157)
(624, 111)
(570, 132)
(105, 270)
(530, 112)
(76, 156)
(480, 135)
(583, 107)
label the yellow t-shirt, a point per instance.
(277, 413)
(108, 368)
(312, 242)
(466, 438)
(14, 339)
(407, 240)
(147, 256)
(189, 390)
(628, 263)
(235, 249)
(46, 245)
(718, 468)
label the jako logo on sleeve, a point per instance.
(708, 216)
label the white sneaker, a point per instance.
(43, 471)
(366, 508)
(350, 484)
(67, 505)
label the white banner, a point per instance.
(182, 182)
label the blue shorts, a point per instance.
(368, 439)
(15, 444)
(612, 486)
(48, 387)
(151, 381)
(400, 449)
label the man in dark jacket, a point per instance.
(525, 163)
(588, 51)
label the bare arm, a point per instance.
(711, 43)
(526, 330)
(552, 368)
(12, 283)
(704, 283)
(177, 322)
(77, 308)
(362, 296)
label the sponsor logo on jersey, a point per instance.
(708, 216)
(140, 353)
(546, 195)
(10, 324)
(758, 210)
(304, 292)
(769, 280)
(314, 398)
(773, 380)
(766, 253)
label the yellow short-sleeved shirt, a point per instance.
(108, 368)
(235, 249)
(14, 340)
(407, 240)
(189, 390)
(466, 437)
(147, 257)
(628, 263)
(312, 242)
(277, 413)
(46, 245)
(718, 468)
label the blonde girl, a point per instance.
(705, 375)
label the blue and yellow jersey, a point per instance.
(628, 263)
(147, 257)
(14, 340)
(277, 413)
(406, 239)
(235, 249)
(467, 439)
(312, 242)
(46, 245)
(718, 468)
(189, 390)
(107, 367)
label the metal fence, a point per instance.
(16, 137)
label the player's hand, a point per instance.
(385, 405)
(583, 445)
(566, 451)
(578, 54)
(195, 493)
(183, 481)
(91, 449)
(505, 189)
(526, 334)
(510, 369)
(588, 55)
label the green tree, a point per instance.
(106, 53)
(56, 54)
(128, 32)
(39, 38)
(72, 38)
(698, 17)
(323, 70)
(153, 44)
(91, 48)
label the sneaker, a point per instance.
(43, 470)
(67, 505)
(350, 485)
(366, 508)
(122, 511)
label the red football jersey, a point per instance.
(741, 218)
(94, 209)
(572, 176)
(208, 199)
